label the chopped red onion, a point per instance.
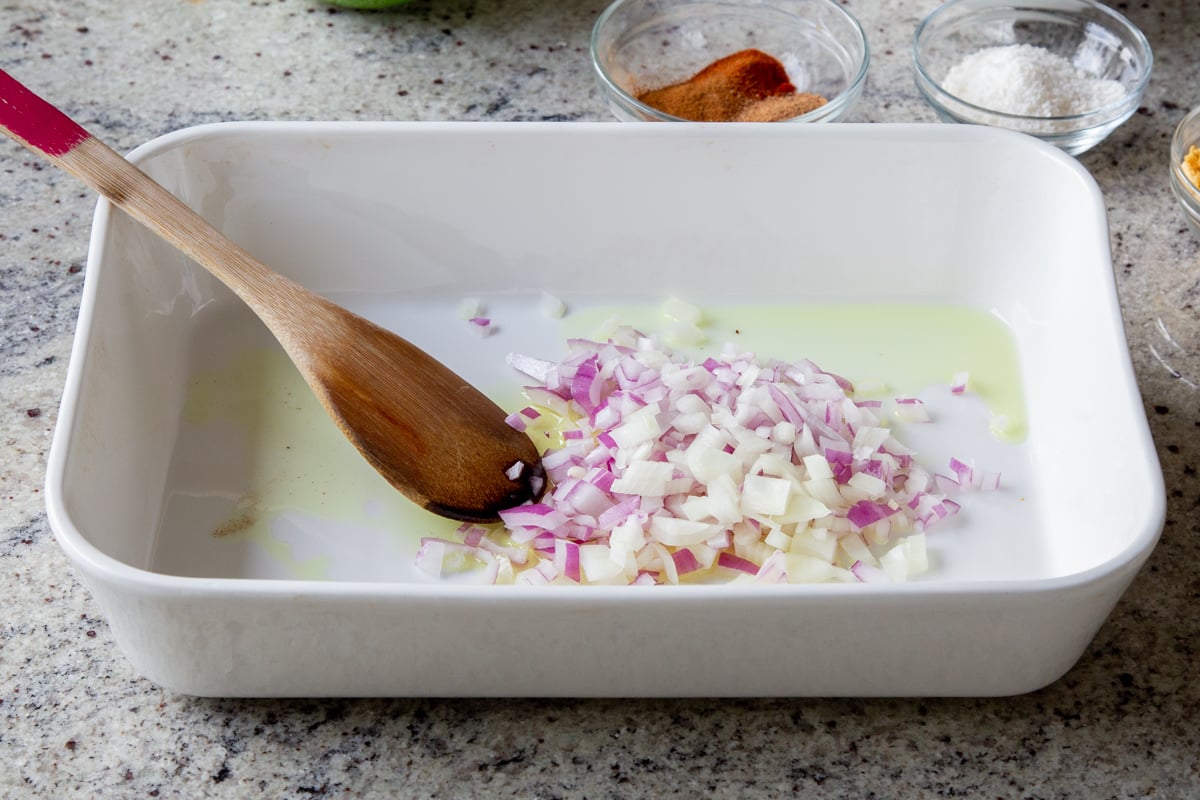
(864, 513)
(730, 561)
(663, 469)
(685, 561)
(441, 558)
(472, 534)
(535, 368)
(566, 558)
(482, 325)
(911, 409)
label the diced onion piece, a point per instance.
(817, 466)
(730, 561)
(708, 461)
(552, 306)
(914, 549)
(441, 558)
(865, 512)
(469, 307)
(675, 532)
(778, 539)
(869, 573)
(597, 566)
(869, 485)
(534, 515)
(685, 561)
(765, 495)
(856, 549)
(638, 428)
(646, 478)
(801, 568)
(627, 538)
(482, 325)
(566, 559)
(682, 311)
(535, 368)
(911, 409)
(807, 542)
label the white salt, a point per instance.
(1030, 81)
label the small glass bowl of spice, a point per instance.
(1066, 71)
(729, 60)
(1185, 166)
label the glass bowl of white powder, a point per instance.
(1066, 71)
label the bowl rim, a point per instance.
(1105, 113)
(834, 104)
(1186, 191)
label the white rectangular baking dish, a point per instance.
(402, 221)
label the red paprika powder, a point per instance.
(746, 86)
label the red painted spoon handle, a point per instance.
(34, 122)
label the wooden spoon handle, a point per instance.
(429, 432)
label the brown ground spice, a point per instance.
(780, 107)
(746, 86)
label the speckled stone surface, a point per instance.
(76, 721)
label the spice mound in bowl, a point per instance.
(746, 86)
(1066, 71)
(1029, 80)
(1185, 167)
(729, 61)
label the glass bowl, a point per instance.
(641, 45)
(1187, 135)
(1099, 43)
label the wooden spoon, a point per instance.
(430, 433)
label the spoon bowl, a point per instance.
(429, 432)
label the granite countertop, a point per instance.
(76, 721)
